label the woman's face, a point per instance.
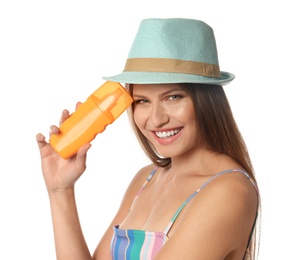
(164, 113)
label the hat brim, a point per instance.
(165, 78)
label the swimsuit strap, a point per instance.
(170, 224)
(152, 173)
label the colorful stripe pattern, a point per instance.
(144, 245)
(136, 244)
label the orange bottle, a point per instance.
(101, 108)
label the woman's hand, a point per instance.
(59, 173)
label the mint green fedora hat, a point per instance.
(174, 50)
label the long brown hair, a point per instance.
(216, 129)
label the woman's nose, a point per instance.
(158, 116)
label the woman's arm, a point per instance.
(60, 176)
(215, 224)
(102, 251)
(69, 240)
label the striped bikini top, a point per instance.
(132, 244)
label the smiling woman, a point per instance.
(199, 198)
(166, 115)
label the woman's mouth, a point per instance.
(166, 134)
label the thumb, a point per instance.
(82, 154)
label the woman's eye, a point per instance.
(141, 101)
(174, 97)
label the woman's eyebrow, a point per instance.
(161, 94)
(172, 90)
(138, 96)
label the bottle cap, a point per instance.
(112, 98)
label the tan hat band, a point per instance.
(172, 66)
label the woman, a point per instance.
(198, 199)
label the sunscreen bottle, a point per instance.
(101, 108)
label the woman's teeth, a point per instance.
(166, 134)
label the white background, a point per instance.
(54, 53)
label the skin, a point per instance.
(214, 225)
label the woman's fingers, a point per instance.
(53, 130)
(65, 113)
(64, 116)
(78, 104)
(40, 138)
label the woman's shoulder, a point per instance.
(233, 183)
(137, 182)
(141, 175)
(224, 211)
(231, 188)
(230, 198)
(228, 176)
